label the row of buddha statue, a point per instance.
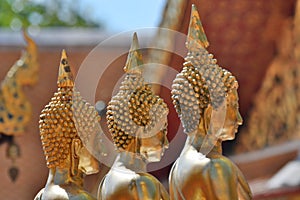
(206, 100)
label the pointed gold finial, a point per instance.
(196, 32)
(134, 59)
(31, 46)
(65, 77)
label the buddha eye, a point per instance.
(236, 105)
(165, 131)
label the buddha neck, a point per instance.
(201, 143)
(132, 161)
(64, 176)
(204, 143)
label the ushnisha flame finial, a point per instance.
(196, 32)
(202, 81)
(135, 105)
(65, 77)
(134, 59)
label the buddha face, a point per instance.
(152, 148)
(233, 117)
(87, 163)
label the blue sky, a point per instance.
(124, 15)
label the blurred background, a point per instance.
(258, 41)
(113, 17)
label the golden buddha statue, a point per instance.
(137, 121)
(64, 124)
(206, 99)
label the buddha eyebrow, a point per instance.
(236, 104)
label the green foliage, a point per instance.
(24, 13)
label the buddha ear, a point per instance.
(138, 137)
(76, 146)
(207, 116)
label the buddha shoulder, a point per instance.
(137, 186)
(146, 179)
(220, 162)
(150, 187)
(56, 192)
(52, 193)
(189, 164)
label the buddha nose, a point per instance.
(166, 142)
(239, 119)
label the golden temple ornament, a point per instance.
(65, 125)
(274, 118)
(137, 121)
(15, 108)
(205, 97)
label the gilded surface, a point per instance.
(137, 121)
(15, 109)
(205, 97)
(67, 157)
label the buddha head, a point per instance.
(137, 119)
(203, 88)
(63, 131)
